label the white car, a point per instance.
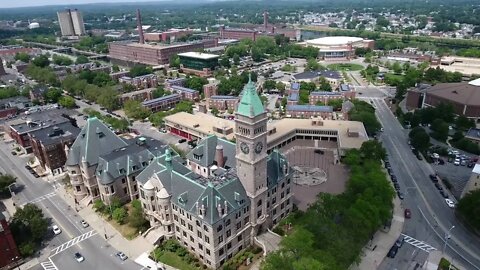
(456, 162)
(84, 223)
(56, 230)
(79, 257)
(450, 203)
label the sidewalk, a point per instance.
(377, 249)
(132, 248)
(434, 258)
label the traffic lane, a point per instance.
(96, 255)
(439, 209)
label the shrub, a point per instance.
(257, 250)
(278, 230)
(99, 206)
(120, 215)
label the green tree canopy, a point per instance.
(22, 56)
(419, 138)
(467, 208)
(5, 181)
(41, 61)
(82, 59)
(67, 102)
(29, 227)
(134, 109)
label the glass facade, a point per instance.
(198, 63)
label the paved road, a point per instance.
(431, 217)
(92, 246)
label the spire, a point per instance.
(250, 105)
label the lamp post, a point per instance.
(447, 236)
(12, 193)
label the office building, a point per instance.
(200, 64)
(71, 22)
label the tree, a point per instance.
(41, 61)
(440, 130)
(5, 181)
(214, 111)
(82, 59)
(52, 95)
(324, 85)
(108, 98)
(236, 59)
(61, 60)
(257, 54)
(280, 87)
(139, 70)
(101, 79)
(136, 218)
(269, 85)
(99, 206)
(29, 227)
(196, 83)
(67, 102)
(397, 68)
(335, 103)
(134, 109)
(463, 123)
(120, 215)
(308, 263)
(22, 56)
(373, 150)
(313, 65)
(467, 208)
(160, 92)
(224, 61)
(175, 61)
(115, 68)
(419, 138)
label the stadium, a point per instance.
(338, 48)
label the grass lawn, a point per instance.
(345, 66)
(174, 260)
(126, 230)
(393, 76)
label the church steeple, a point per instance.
(250, 105)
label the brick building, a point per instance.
(167, 36)
(162, 103)
(140, 95)
(174, 82)
(8, 248)
(117, 75)
(210, 89)
(223, 103)
(234, 33)
(48, 145)
(140, 82)
(130, 52)
(186, 93)
(308, 111)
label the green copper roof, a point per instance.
(250, 104)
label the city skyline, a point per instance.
(35, 3)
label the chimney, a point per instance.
(139, 26)
(219, 158)
(265, 19)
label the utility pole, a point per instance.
(447, 236)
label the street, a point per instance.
(431, 217)
(60, 249)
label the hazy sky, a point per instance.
(27, 3)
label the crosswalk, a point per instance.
(41, 198)
(72, 242)
(418, 244)
(48, 265)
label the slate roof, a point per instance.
(128, 160)
(183, 89)
(160, 99)
(95, 140)
(190, 191)
(204, 153)
(293, 96)
(56, 133)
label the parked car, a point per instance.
(456, 162)
(450, 203)
(400, 195)
(397, 186)
(433, 177)
(444, 194)
(79, 257)
(56, 230)
(407, 213)
(84, 223)
(121, 256)
(182, 140)
(392, 252)
(394, 178)
(399, 242)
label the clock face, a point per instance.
(244, 148)
(258, 147)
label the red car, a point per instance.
(408, 213)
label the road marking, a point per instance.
(41, 198)
(49, 265)
(73, 242)
(418, 244)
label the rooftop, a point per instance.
(134, 93)
(309, 75)
(204, 123)
(462, 92)
(183, 89)
(56, 133)
(325, 93)
(36, 120)
(250, 104)
(199, 55)
(223, 97)
(473, 133)
(334, 41)
(153, 101)
(287, 125)
(309, 108)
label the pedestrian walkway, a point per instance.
(377, 249)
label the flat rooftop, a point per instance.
(134, 93)
(203, 56)
(203, 123)
(309, 108)
(287, 125)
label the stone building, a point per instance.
(217, 200)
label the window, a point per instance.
(207, 239)
(184, 234)
(125, 190)
(182, 222)
(288, 180)
(229, 233)
(281, 206)
(229, 246)
(78, 188)
(288, 201)
(175, 217)
(177, 228)
(190, 227)
(274, 200)
(288, 190)
(205, 228)
(239, 238)
(219, 228)
(192, 240)
(198, 223)
(112, 190)
(135, 188)
(227, 222)
(199, 234)
(123, 181)
(274, 211)
(239, 225)
(220, 239)
(246, 220)
(259, 213)
(200, 246)
(259, 203)
(282, 195)
(207, 251)
(283, 184)
(220, 252)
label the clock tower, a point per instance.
(251, 151)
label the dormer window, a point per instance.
(135, 167)
(122, 171)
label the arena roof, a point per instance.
(198, 55)
(333, 41)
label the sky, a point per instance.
(29, 3)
